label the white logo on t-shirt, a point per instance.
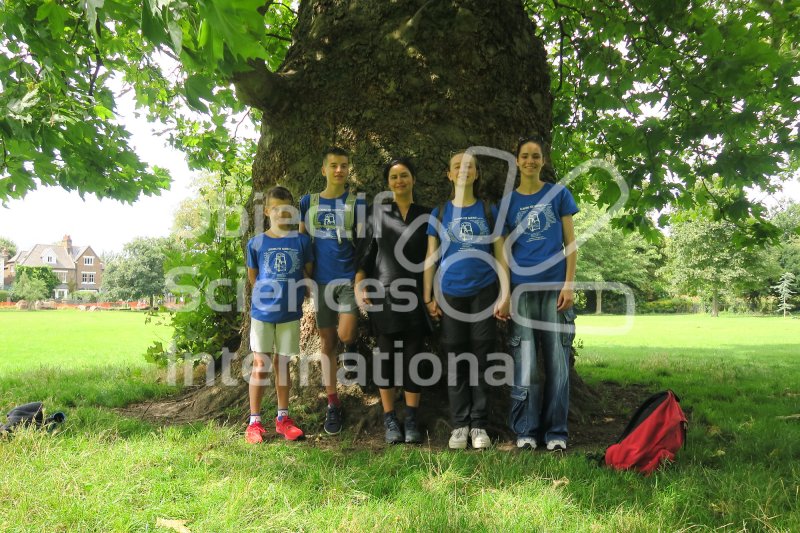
(464, 229)
(281, 263)
(537, 219)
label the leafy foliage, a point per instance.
(675, 96)
(42, 273)
(8, 244)
(785, 290)
(206, 267)
(30, 288)
(703, 261)
(138, 272)
(615, 256)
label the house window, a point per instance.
(87, 277)
(50, 259)
(88, 261)
(61, 275)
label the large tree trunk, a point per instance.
(385, 79)
(598, 306)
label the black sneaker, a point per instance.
(413, 434)
(333, 420)
(394, 435)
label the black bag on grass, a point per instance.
(31, 414)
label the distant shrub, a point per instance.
(85, 296)
(668, 306)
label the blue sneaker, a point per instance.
(333, 420)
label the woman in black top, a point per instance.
(388, 286)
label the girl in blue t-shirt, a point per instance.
(466, 299)
(540, 237)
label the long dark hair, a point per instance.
(547, 173)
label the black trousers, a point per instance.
(395, 371)
(466, 344)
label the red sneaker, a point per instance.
(288, 429)
(255, 433)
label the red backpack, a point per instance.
(655, 433)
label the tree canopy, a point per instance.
(138, 272)
(8, 245)
(676, 95)
(44, 274)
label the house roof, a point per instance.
(16, 256)
(78, 251)
(65, 258)
(34, 257)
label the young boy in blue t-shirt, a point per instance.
(278, 262)
(331, 219)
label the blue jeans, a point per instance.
(533, 414)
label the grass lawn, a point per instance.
(104, 472)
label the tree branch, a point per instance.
(280, 37)
(260, 88)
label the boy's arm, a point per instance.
(252, 274)
(302, 225)
(567, 295)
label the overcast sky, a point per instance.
(47, 214)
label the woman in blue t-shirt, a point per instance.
(460, 233)
(540, 236)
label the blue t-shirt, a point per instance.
(277, 295)
(540, 236)
(465, 275)
(335, 260)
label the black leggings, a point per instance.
(395, 371)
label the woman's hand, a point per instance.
(566, 298)
(433, 309)
(502, 309)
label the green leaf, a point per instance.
(91, 7)
(103, 112)
(197, 87)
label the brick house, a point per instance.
(4, 256)
(76, 265)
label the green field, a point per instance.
(105, 472)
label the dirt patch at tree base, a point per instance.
(597, 426)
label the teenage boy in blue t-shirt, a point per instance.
(331, 218)
(278, 263)
(541, 238)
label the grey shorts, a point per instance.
(332, 299)
(269, 338)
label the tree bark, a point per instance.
(598, 306)
(415, 78)
(715, 303)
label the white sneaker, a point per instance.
(458, 438)
(480, 439)
(557, 445)
(526, 443)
